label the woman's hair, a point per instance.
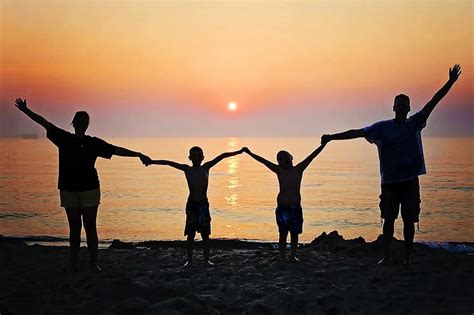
(81, 116)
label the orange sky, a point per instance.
(175, 59)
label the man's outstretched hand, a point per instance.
(454, 73)
(325, 139)
(145, 160)
(20, 104)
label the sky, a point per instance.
(297, 68)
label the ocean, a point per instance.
(340, 190)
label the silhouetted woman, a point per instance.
(78, 182)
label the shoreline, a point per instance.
(335, 276)
(45, 240)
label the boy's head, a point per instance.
(80, 122)
(196, 155)
(401, 105)
(284, 159)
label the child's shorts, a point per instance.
(289, 219)
(198, 218)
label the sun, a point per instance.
(232, 106)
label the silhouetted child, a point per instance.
(198, 218)
(289, 214)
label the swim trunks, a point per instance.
(198, 218)
(289, 218)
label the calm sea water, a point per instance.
(340, 190)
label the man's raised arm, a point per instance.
(220, 157)
(453, 76)
(21, 105)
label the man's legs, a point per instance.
(89, 215)
(409, 235)
(75, 225)
(410, 214)
(389, 207)
(388, 228)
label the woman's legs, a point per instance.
(89, 215)
(75, 225)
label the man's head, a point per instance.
(80, 122)
(196, 155)
(401, 105)
(284, 159)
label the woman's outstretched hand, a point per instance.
(20, 104)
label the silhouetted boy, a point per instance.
(198, 218)
(289, 214)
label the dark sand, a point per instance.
(335, 276)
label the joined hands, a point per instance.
(145, 159)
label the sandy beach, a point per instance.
(335, 276)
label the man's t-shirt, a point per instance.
(77, 156)
(399, 146)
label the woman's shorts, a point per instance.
(80, 199)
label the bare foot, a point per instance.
(209, 263)
(293, 259)
(96, 268)
(384, 261)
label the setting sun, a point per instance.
(232, 106)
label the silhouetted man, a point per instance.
(401, 158)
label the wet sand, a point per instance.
(335, 276)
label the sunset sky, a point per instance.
(149, 68)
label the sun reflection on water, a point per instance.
(232, 196)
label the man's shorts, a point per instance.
(406, 194)
(289, 219)
(80, 199)
(198, 218)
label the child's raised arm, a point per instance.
(220, 157)
(179, 166)
(305, 163)
(267, 163)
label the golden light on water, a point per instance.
(232, 196)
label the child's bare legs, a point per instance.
(282, 245)
(75, 226)
(294, 246)
(190, 246)
(205, 245)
